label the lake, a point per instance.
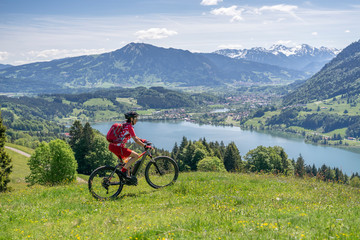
(164, 134)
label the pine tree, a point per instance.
(175, 151)
(85, 144)
(300, 166)
(5, 160)
(232, 158)
(314, 170)
(189, 154)
(76, 132)
(81, 141)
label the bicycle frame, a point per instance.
(137, 164)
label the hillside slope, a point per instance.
(198, 206)
(340, 76)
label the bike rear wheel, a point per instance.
(161, 172)
(105, 183)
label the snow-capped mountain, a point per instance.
(302, 57)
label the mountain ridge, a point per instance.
(139, 64)
(340, 76)
(302, 57)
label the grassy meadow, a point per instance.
(199, 206)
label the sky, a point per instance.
(43, 30)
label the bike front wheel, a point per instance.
(105, 183)
(161, 172)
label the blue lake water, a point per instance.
(164, 134)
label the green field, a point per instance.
(199, 206)
(20, 170)
(98, 102)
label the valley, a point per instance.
(237, 88)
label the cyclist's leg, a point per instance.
(131, 159)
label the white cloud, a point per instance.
(279, 7)
(289, 9)
(347, 31)
(62, 53)
(4, 56)
(232, 11)
(155, 33)
(210, 2)
(50, 54)
(285, 43)
(314, 33)
(230, 46)
(237, 12)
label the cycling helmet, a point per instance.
(131, 114)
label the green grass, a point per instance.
(98, 102)
(128, 101)
(22, 148)
(260, 121)
(337, 107)
(19, 171)
(198, 206)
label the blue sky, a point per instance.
(39, 30)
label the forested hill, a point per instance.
(340, 76)
(139, 64)
(36, 118)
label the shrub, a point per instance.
(355, 182)
(52, 163)
(211, 164)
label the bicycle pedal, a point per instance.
(131, 182)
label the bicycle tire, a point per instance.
(161, 172)
(99, 184)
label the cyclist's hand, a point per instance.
(146, 147)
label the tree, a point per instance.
(98, 155)
(286, 166)
(211, 164)
(85, 145)
(81, 142)
(300, 166)
(232, 158)
(52, 163)
(5, 160)
(355, 182)
(76, 133)
(258, 160)
(314, 170)
(175, 151)
(198, 155)
(189, 154)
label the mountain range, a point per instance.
(341, 76)
(3, 66)
(303, 57)
(139, 64)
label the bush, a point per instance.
(52, 163)
(211, 164)
(355, 182)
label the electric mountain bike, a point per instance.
(107, 182)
